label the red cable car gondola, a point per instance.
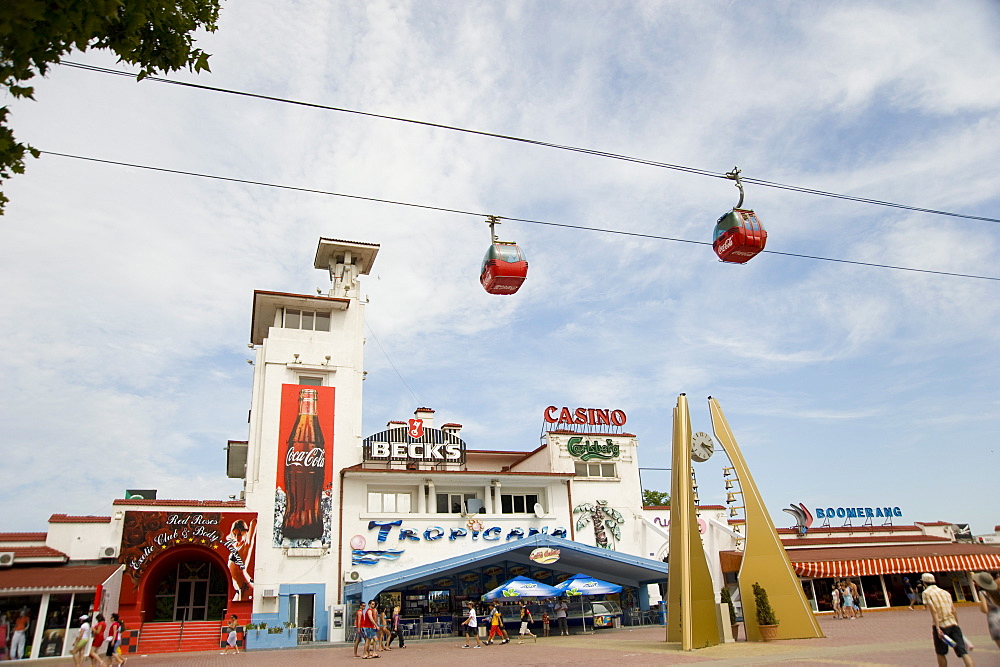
(738, 236)
(504, 266)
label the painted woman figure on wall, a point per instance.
(240, 543)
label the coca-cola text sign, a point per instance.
(302, 500)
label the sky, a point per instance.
(128, 292)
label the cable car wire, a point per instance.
(536, 142)
(549, 223)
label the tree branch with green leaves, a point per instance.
(156, 35)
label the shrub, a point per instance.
(765, 615)
(727, 598)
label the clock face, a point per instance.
(702, 447)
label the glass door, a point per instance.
(192, 592)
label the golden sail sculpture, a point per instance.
(764, 557)
(691, 613)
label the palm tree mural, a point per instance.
(602, 517)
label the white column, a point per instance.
(422, 497)
(431, 498)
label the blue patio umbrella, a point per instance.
(523, 587)
(582, 584)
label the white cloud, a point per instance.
(128, 292)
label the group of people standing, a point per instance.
(377, 629)
(846, 600)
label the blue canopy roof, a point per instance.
(583, 584)
(575, 556)
(522, 587)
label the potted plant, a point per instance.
(727, 598)
(766, 620)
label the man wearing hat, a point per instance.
(989, 602)
(945, 630)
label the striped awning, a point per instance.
(875, 566)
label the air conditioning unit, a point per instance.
(352, 576)
(110, 551)
(269, 592)
(6, 558)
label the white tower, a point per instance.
(307, 346)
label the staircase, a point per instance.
(179, 636)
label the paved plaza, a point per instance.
(900, 637)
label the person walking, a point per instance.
(471, 625)
(525, 622)
(80, 642)
(370, 629)
(231, 637)
(856, 594)
(396, 629)
(920, 593)
(846, 600)
(114, 652)
(989, 602)
(21, 626)
(545, 623)
(383, 630)
(835, 597)
(359, 636)
(945, 628)
(496, 626)
(99, 631)
(911, 593)
(561, 608)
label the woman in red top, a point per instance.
(100, 628)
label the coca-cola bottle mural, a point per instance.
(305, 465)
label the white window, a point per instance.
(310, 320)
(456, 503)
(596, 470)
(388, 501)
(313, 381)
(518, 503)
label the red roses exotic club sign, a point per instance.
(302, 499)
(147, 535)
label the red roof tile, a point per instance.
(64, 576)
(36, 552)
(851, 529)
(66, 518)
(22, 537)
(180, 503)
(861, 540)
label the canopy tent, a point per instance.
(523, 587)
(623, 567)
(582, 584)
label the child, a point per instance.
(496, 626)
(545, 623)
(525, 621)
